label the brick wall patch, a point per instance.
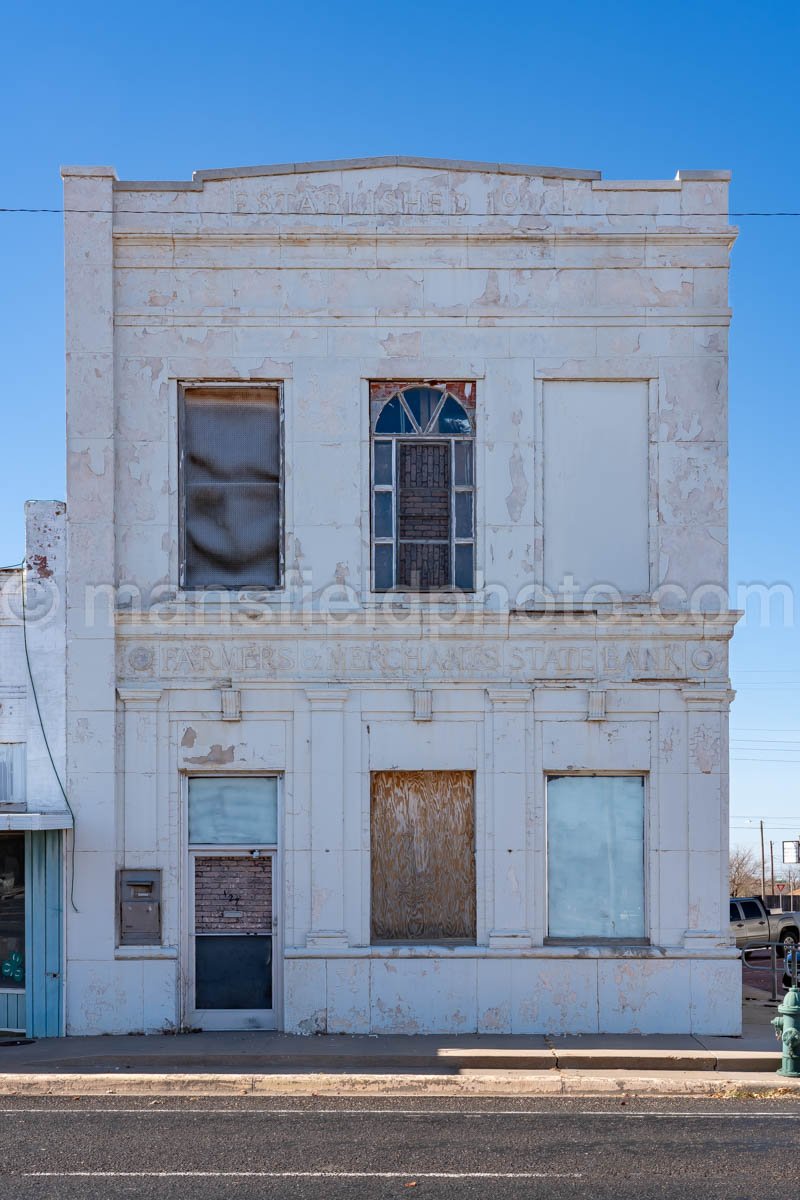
(232, 894)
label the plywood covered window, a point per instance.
(423, 856)
(423, 486)
(230, 453)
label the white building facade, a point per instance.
(34, 815)
(397, 620)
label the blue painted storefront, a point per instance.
(38, 1008)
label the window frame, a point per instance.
(593, 940)
(230, 385)
(391, 488)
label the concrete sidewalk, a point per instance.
(268, 1061)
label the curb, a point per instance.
(478, 1083)
(446, 1060)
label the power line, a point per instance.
(755, 737)
(787, 762)
(763, 729)
(770, 824)
(747, 817)
(768, 747)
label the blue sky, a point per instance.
(636, 90)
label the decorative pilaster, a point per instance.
(707, 788)
(506, 818)
(327, 817)
(91, 702)
(140, 792)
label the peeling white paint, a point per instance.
(328, 279)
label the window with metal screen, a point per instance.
(231, 487)
(423, 484)
(423, 860)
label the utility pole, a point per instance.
(763, 866)
(772, 868)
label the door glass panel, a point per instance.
(233, 812)
(233, 972)
(12, 911)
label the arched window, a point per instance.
(423, 486)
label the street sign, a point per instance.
(791, 852)
(779, 887)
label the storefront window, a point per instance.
(595, 857)
(12, 910)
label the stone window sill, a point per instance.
(135, 952)
(590, 943)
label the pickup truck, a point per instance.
(752, 926)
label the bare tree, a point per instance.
(745, 879)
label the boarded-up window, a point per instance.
(231, 487)
(423, 518)
(596, 510)
(423, 861)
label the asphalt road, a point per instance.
(548, 1149)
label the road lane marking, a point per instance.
(301, 1174)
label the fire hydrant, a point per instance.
(787, 1030)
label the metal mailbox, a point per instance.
(139, 893)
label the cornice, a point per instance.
(724, 236)
(324, 166)
(451, 165)
(238, 622)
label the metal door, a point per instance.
(232, 934)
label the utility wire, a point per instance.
(787, 762)
(46, 742)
